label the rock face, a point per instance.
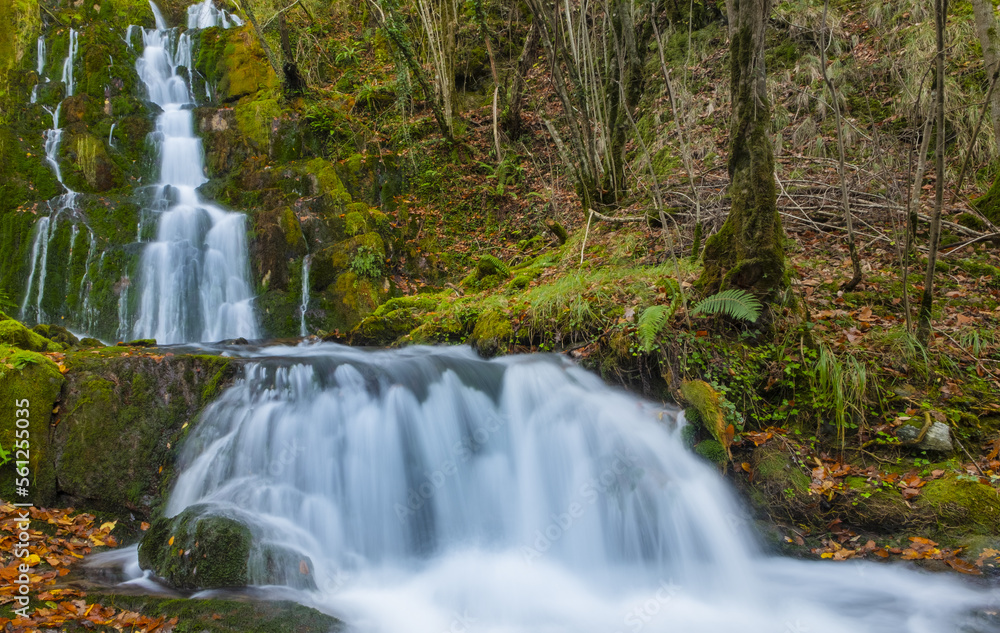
(29, 386)
(937, 438)
(125, 412)
(198, 550)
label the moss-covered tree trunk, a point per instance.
(747, 252)
(989, 41)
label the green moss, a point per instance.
(355, 223)
(327, 181)
(962, 503)
(414, 302)
(971, 221)
(123, 416)
(774, 467)
(291, 228)
(15, 334)
(989, 203)
(712, 451)
(220, 616)
(442, 329)
(384, 330)
(33, 382)
(706, 401)
(254, 117)
(196, 550)
(492, 334)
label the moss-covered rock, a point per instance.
(706, 409)
(197, 550)
(961, 503)
(221, 616)
(384, 329)
(124, 413)
(29, 385)
(200, 549)
(57, 334)
(15, 334)
(492, 334)
(713, 451)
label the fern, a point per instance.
(490, 265)
(651, 323)
(739, 304)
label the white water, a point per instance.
(435, 492)
(304, 303)
(67, 69)
(64, 204)
(204, 15)
(40, 67)
(194, 278)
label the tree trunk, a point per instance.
(747, 252)
(295, 84)
(926, 303)
(271, 59)
(852, 244)
(989, 41)
(512, 118)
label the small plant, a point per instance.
(366, 263)
(348, 54)
(738, 304)
(652, 320)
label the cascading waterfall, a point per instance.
(432, 491)
(67, 69)
(64, 204)
(40, 68)
(304, 303)
(204, 15)
(194, 278)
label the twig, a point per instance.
(583, 246)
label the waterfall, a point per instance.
(194, 278)
(53, 137)
(67, 69)
(434, 491)
(304, 303)
(39, 250)
(204, 15)
(45, 228)
(40, 67)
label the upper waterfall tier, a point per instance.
(194, 278)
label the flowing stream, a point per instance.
(432, 491)
(194, 278)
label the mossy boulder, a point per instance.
(15, 334)
(713, 451)
(201, 549)
(961, 503)
(880, 509)
(29, 386)
(224, 616)
(124, 413)
(57, 334)
(705, 409)
(384, 329)
(492, 334)
(196, 550)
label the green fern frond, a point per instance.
(490, 265)
(738, 304)
(651, 323)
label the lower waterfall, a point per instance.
(434, 491)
